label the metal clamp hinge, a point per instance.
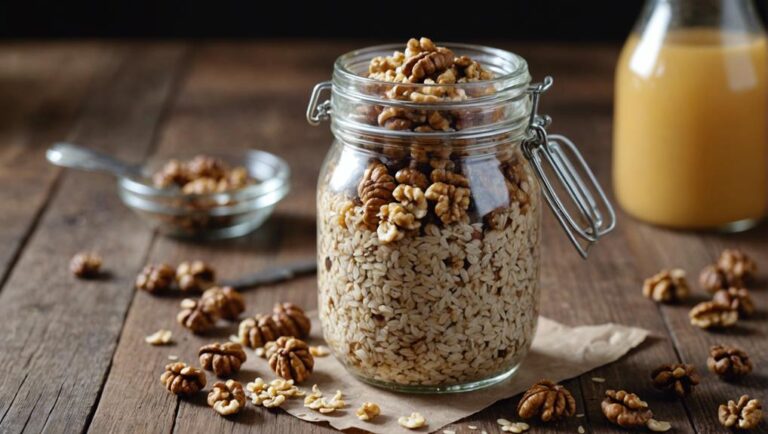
(583, 211)
(319, 111)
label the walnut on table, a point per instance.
(625, 409)
(196, 316)
(227, 398)
(368, 411)
(737, 299)
(743, 414)
(85, 264)
(257, 331)
(730, 363)
(713, 279)
(547, 400)
(226, 300)
(156, 278)
(710, 314)
(223, 359)
(291, 359)
(737, 265)
(292, 320)
(679, 378)
(181, 379)
(667, 286)
(194, 276)
(414, 421)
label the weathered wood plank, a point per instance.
(225, 102)
(58, 334)
(42, 88)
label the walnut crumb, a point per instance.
(414, 421)
(315, 401)
(160, 337)
(272, 394)
(319, 351)
(368, 411)
(658, 425)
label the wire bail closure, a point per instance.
(594, 215)
(318, 112)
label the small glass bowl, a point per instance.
(210, 216)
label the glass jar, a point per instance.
(429, 221)
(690, 131)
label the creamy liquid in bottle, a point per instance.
(690, 128)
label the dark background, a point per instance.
(571, 20)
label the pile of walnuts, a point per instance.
(397, 203)
(726, 280)
(202, 174)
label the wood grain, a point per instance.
(43, 87)
(58, 334)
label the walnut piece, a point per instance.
(679, 378)
(197, 317)
(227, 398)
(368, 411)
(737, 299)
(516, 181)
(729, 363)
(292, 359)
(451, 202)
(173, 172)
(375, 190)
(257, 331)
(713, 279)
(273, 394)
(319, 351)
(225, 300)
(667, 286)
(625, 409)
(737, 265)
(412, 199)
(194, 276)
(201, 175)
(155, 278)
(85, 264)
(315, 401)
(547, 400)
(291, 320)
(395, 220)
(414, 421)
(223, 359)
(448, 177)
(658, 425)
(412, 177)
(710, 314)
(744, 414)
(160, 337)
(181, 379)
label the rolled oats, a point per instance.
(319, 351)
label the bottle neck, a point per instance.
(722, 15)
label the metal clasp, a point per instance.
(318, 112)
(589, 215)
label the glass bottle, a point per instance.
(690, 116)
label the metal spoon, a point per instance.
(79, 157)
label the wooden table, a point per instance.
(72, 353)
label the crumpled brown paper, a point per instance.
(559, 352)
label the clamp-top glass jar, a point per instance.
(429, 213)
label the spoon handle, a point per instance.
(79, 157)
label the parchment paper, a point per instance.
(559, 352)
